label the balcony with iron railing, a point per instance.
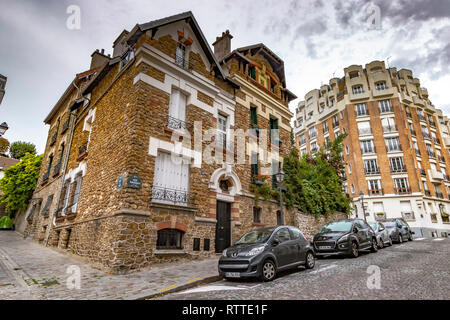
(370, 150)
(171, 196)
(431, 154)
(386, 109)
(408, 215)
(387, 129)
(376, 192)
(372, 171)
(395, 148)
(183, 62)
(402, 190)
(179, 125)
(398, 169)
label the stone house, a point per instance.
(150, 167)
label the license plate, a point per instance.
(232, 274)
(325, 247)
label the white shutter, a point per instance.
(405, 206)
(173, 106)
(181, 107)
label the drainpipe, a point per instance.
(73, 119)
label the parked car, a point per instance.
(382, 234)
(399, 230)
(265, 251)
(345, 237)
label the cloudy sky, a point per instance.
(316, 39)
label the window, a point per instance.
(392, 144)
(325, 127)
(313, 146)
(380, 85)
(127, 58)
(180, 55)
(273, 133)
(171, 179)
(312, 133)
(302, 139)
(276, 166)
(169, 239)
(397, 164)
(347, 150)
(401, 186)
(353, 74)
(367, 146)
(388, 125)
(335, 121)
(357, 89)
(349, 168)
(385, 106)
(177, 110)
(64, 198)
(48, 203)
(254, 163)
(253, 116)
(75, 193)
(252, 72)
(374, 187)
(371, 166)
(364, 128)
(303, 151)
(257, 214)
(222, 126)
(361, 110)
(353, 188)
(50, 162)
(283, 235)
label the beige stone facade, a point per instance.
(395, 152)
(120, 200)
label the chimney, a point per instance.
(222, 45)
(98, 58)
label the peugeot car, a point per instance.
(265, 251)
(345, 237)
(382, 234)
(398, 230)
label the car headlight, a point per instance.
(344, 238)
(255, 251)
(224, 253)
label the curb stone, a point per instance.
(182, 287)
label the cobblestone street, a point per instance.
(413, 270)
(31, 271)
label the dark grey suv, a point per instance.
(345, 237)
(265, 251)
(398, 230)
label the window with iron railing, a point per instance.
(381, 85)
(397, 165)
(393, 144)
(374, 188)
(371, 167)
(357, 89)
(401, 186)
(367, 146)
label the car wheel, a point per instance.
(354, 252)
(400, 238)
(374, 247)
(390, 241)
(310, 260)
(268, 270)
(410, 237)
(380, 243)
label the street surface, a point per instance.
(413, 270)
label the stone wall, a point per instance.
(310, 224)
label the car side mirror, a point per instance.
(275, 242)
(355, 230)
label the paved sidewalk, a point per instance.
(31, 271)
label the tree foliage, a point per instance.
(19, 182)
(4, 146)
(313, 182)
(19, 149)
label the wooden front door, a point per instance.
(223, 226)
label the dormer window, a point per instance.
(127, 58)
(252, 72)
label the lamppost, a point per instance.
(3, 128)
(280, 177)
(361, 194)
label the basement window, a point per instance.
(169, 239)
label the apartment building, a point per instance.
(126, 182)
(396, 151)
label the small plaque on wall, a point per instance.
(134, 181)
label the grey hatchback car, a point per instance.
(265, 251)
(382, 234)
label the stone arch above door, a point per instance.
(225, 173)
